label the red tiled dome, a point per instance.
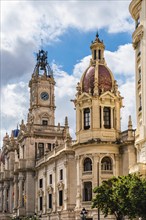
(88, 81)
(104, 79)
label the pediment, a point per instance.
(84, 96)
(107, 95)
(44, 115)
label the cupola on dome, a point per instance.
(97, 76)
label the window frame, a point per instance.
(87, 191)
(87, 119)
(107, 117)
(87, 165)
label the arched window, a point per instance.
(87, 164)
(86, 118)
(87, 191)
(106, 163)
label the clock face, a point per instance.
(44, 96)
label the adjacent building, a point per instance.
(138, 12)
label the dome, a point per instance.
(88, 80)
(104, 79)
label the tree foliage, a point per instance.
(122, 196)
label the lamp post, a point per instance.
(83, 214)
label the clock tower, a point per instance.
(41, 85)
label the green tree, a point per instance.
(122, 196)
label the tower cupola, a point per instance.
(42, 67)
(97, 78)
(97, 47)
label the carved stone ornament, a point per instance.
(50, 189)
(60, 186)
(40, 192)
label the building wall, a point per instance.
(138, 12)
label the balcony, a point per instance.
(137, 35)
(134, 7)
(107, 172)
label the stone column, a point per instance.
(5, 204)
(102, 119)
(15, 192)
(1, 197)
(11, 197)
(65, 185)
(45, 191)
(112, 120)
(116, 166)
(30, 192)
(21, 179)
(54, 200)
(78, 196)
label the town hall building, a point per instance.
(43, 172)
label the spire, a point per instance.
(66, 121)
(129, 123)
(42, 67)
(130, 130)
(97, 34)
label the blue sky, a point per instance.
(74, 45)
(67, 29)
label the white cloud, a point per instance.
(121, 62)
(14, 106)
(49, 20)
(128, 92)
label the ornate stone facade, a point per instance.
(43, 171)
(138, 12)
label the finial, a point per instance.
(66, 121)
(97, 34)
(130, 122)
(12, 134)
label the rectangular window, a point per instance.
(44, 122)
(50, 201)
(41, 183)
(41, 203)
(87, 191)
(99, 54)
(107, 117)
(49, 146)
(94, 54)
(86, 118)
(61, 174)
(41, 149)
(60, 198)
(50, 179)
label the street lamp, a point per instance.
(83, 214)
